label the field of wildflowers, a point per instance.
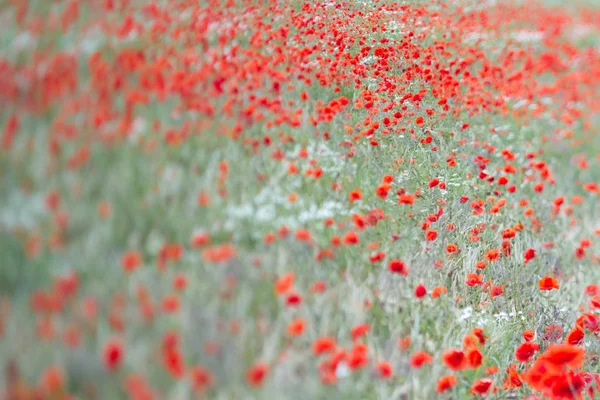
(244, 199)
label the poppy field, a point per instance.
(243, 199)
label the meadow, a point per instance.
(243, 199)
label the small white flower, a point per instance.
(342, 370)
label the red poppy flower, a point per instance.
(398, 267)
(438, 291)
(384, 370)
(296, 327)
(525, 351)
(174, 363)
(445, 383)
(293, 300)
(431, 235)
(474, 358)
(492, 254)
(434, 182)
(257, 373)
(406, 199)
(420, 358)
(454, 359)
(512, 380)
(548, 283)
(528, 335)
(355, 195)
(451, 248)
(576, 336)
(201, 378)
(113, 354)
(351, 238)
(481, 386)
(420, 291)
(474, 279)
(529, 255)
(284, 283)
(130, 261)
(479, 333)
(564, 354)
(359, 330)
(53, 380)
(568, 386)
(358, 357)
(323, 344)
